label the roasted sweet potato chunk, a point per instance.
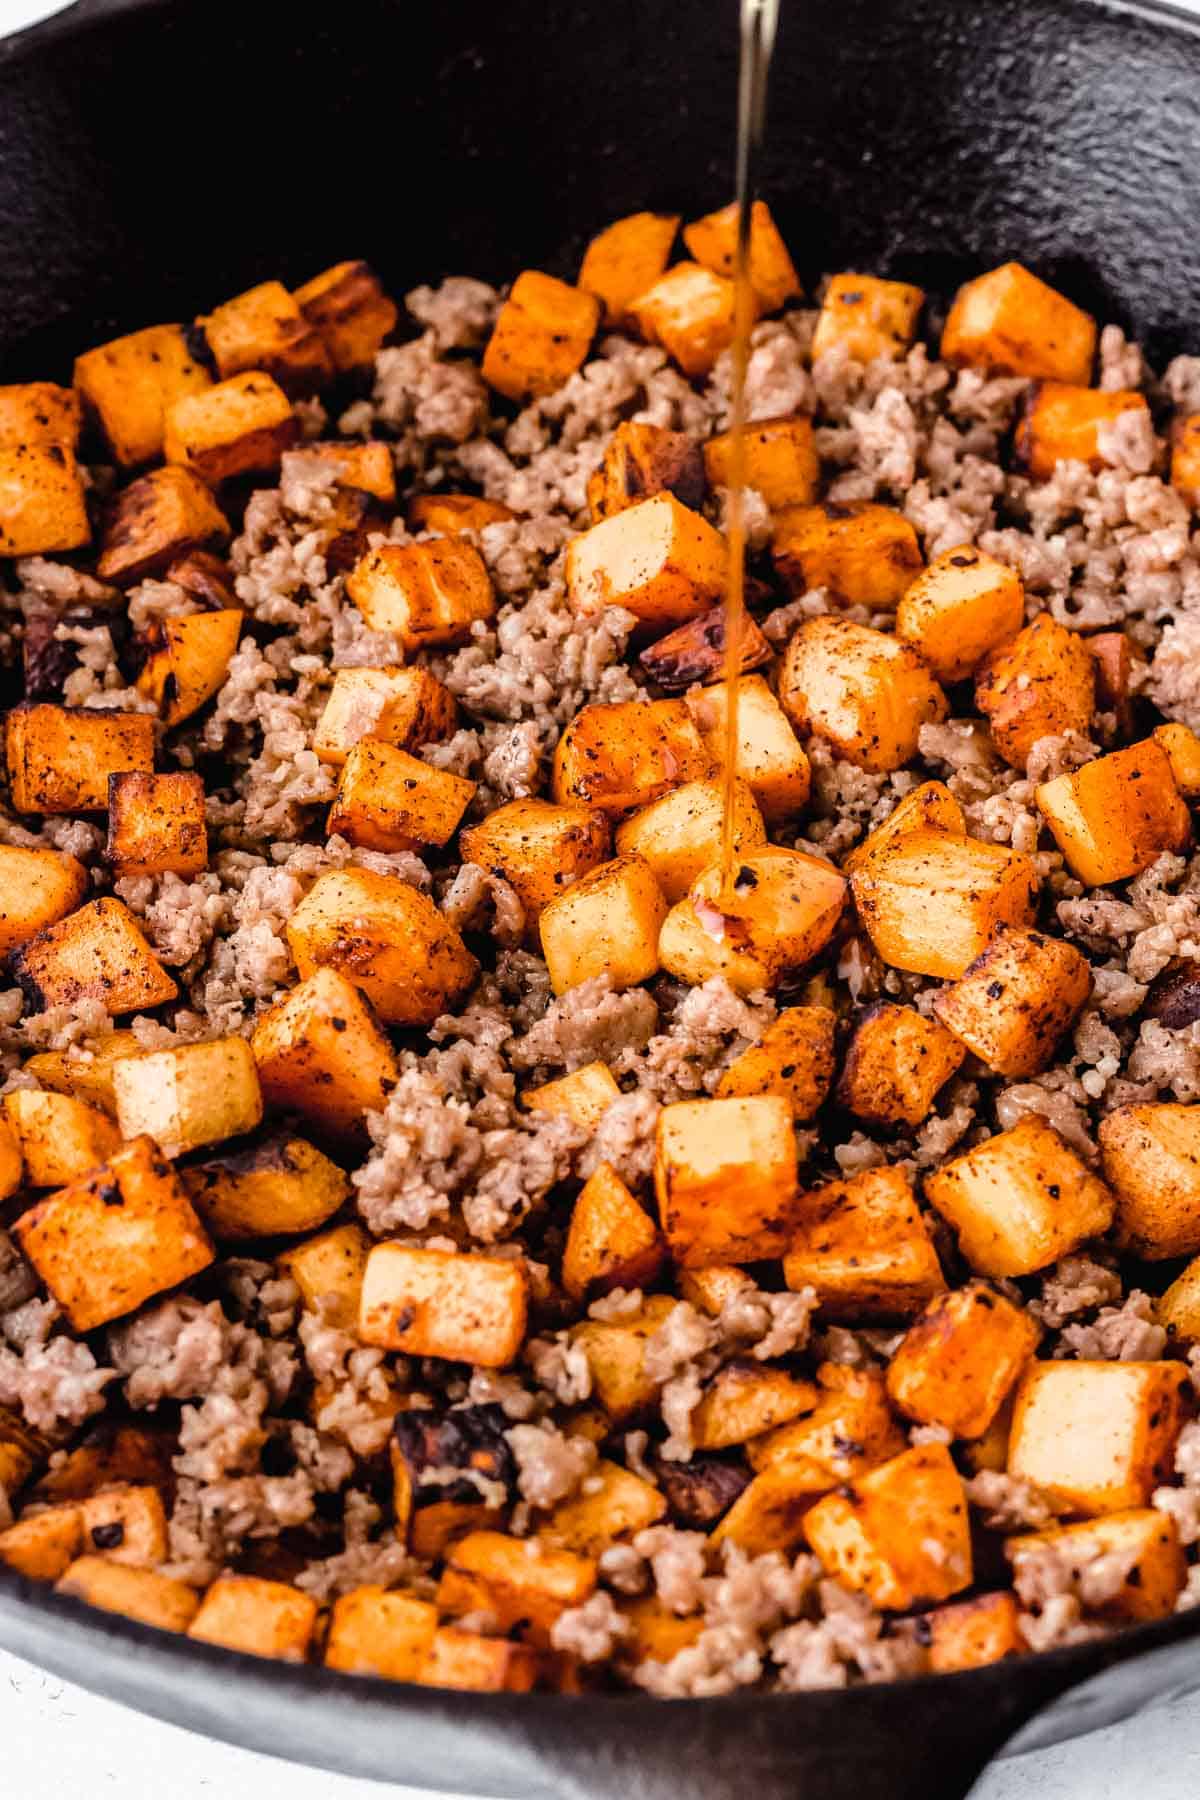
(655, 558)
(680, 835)
(712, 240)
(615, 1352)
(374, 1631)
(265, 329)
(962, 607)
(60, 757)
(349, 308)
(1097, 1437)
(958, 1362)
(864, 1248)
(87, 1074)
(189, 1095)
(539, 848)
(262, 1618)
(402, 707)
(584, 1095)
(1040, 684)
(867, 317)
(971, 1633)
(425, 594)
(769, 754)
(642, 460)
(320, 1052)
(1015, 1001)
(865, 553)
(1152, 1163)
(542, 335)
(1009, 321)
(607, 923)
(37, 888)
(328, 1269)
(140, 1594)
(783, 910)
(930, 901)
(621, 756)
(865, 693)
(186, 659)
(130, 384)
(390, 800)
(1183, 753)
(1064, 423)
(613, 1506)
(895, 1064)
(900, 1533)
(448, 514)
(744, 1399)
(483, 1665)
(96, 953)
(524, 1584)
(238, 427)
(929, 807)
(39, 412)
(1117, 815)
(780, 460)
(1142, 1541)
(127, 1524)
(42, 504)
(612, 1241)
(59, 1138)
(689, 311)
(466, 1308)
(794, 1058)
(725, 1176)
(280, 1185)
(42, 1545)
(626, 258)
(156, 824)
(157, 518)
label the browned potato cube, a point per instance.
(957, 1364)
(623, 260)
(543, 334)
(265, 329)
(189, 1095)
(964, 605)
(483, 1665)
(1183, 753)
(680, 835)
(743, 1400)
(320, 1052)
(402, 707)
(110, 1241)
(280, 1186)
(615, 1351)
(1143, 1542)
(1178, 1310)
(867, 317)
(769, 757)
(900, 1534)
(37, 888)
(656, 558)
(865, 553)
(1152, 1163)
(1020, 1200)
(612, 1241)
(389, 800)
(930, 901)
(584, 1095)
(712, 240)
(930, 807)
(851, 1429)
(711, 1289)
(971, 1633)
(769, 1514)
(1097, 1437)
(127, 1524)
(386, 937)
(865, 693)
(22, 1450)
(12, 1169)
(350, 310)
(130, 383)
(262, 1618)
(328, 1269)
(140, 1594)
(780, 460)
(156, 824)
(1009, 321)
(448, 514)
(186, 660)
(1117, 658)
(87, 1074)
(642, 460)
(1185, 457)
(697, 651)
(60, 757)
(96, 953)
(238, 427)
(895, 1064)
(1062, 423)
(608, 923)
(782, 912)
(539, 848)
(157, 518)
(1014, 1003)
(59, 1138)
(39, 412)
(1117, 815)
(42, 1545)
(864, 1247)
(794, 1058)
(466, 1308)
(689, 311)
(375, 1632)
(524, 1584)
(110, 1454)
(725, 1177)
(42, 506)
(610, 1509)
(426, 594)
(364, 468)
(1040, 684)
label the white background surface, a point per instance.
(59, 1743)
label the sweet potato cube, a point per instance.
(624, 259)
(110, 1455)
(240, 426)
(769, 757)
(42, 505)
(59, 1138)
(1009, 321)
(386, 937)
(350, 310)
(959, 1361)
(320, 1052)
(1178, 1310)
(744, 1399)
(930, 901)
(542, 335)
(37, 888)
(186, 660)
(712, 240)
(87, 1074)
(711, 1289)
(901, 1534)
(689, 311)
(1042, 683)
(156, 824)
(389, 800)
(402, 707)
(265, 329)
(930, 807)
(612, 1505)
(612, 1241)
(657, 559)
(261, 1618)
(783, 910)
(615, 1351)
(680, 834)
(641, 460)
(12, 1169)
(328, 1269)
(95, 953)
(539, 848)
(60, 757)
(1019, 1200)
(362, 468)
(41, 1545)
(127, 1524)
(427, 594)
(116, 1237)
(696, 651)
(483, 1665)
(189, 1095)
(1152, 1163)
(1117, 815)
(895, 1064)
(864, 1248)
(1017, 1000)
(867, 317)
(22, 1450)
(279, 1185)
(373, 1631)
(769, 1514)
(865, 553)
(466, 1308)
(584, 1095)
(1142, 1541)
(1116, 658)
(156, 519)
(130, 383)
(964, 605)
(725, 1177)
(794, 1058)
(1097, 1437)
(865, 693)
(607, 923)
(971, 1633)
(780, 460)
(1183, 753)
(140, 1594)
(1185, 457)
(39, 412)
(1063, 423)
(522, 1582)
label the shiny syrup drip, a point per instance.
(758, 21)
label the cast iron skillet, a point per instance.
(156, 158)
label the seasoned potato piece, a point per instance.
(867, 554)
(389, 800)
(680, 835)
(1185, 457)
(350, 310)
(1009, 321)
(864, 1247)
(265, 329)
(615, 1351)
(238, 427)
(743, 1400)
(624, 259)
(402, 707)
(262, 1618)
(1063, 423)
(539, 848)
(900, 1533)
(42, 1545)
(972, 1633)
(1097, 1437)
(373, 1631)
(1015, 1001)
(612, 1506)
(467, 1308)
(87, 1074)
(607, 923)
(130, 383)
(612, 1241)
(186, 660)
(867, 317)
(157, 518)
(386, 937)
(110, 1455)
(784, 908)
(1116, 657)
(781, 461)
(127, 1524)
(282, 1185)
(42, 504)
(189, 1095)
(320, 1052)
(655, 558)
(642, 460)
(895, 1064)
(364, 468)
(711, 1289)
(725, 1177)
(769, 757)
(328, 1269)
(1182, 747)
(712, 240)
(1152, 1163)
(448, 514)
(542, 335)
(39, 412)
(963, 606)
(929, 807)
(696, 652)
(156, 824)
(930, 901)
(140, 1594)
(95, 953)
(769, 1514)
(794, 1058)
(584, 1095)
(689, 311)
(483, 1665)
(865, 693)
(1040, 684)
(958, 1363)
(1020, 1200)
(1143, 1542)
(37, 889)
(426, 594)
(11, 1171)
(1117, 815)
(22, 1451)
(522, 1582)
(116, 1237)
(59, 1138)
(60, 757)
